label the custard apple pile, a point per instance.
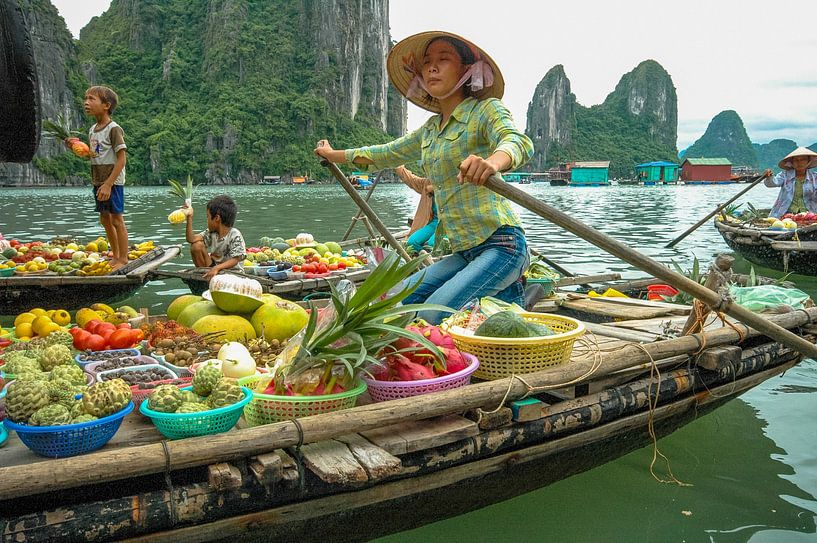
(211, 390)
(55, 355)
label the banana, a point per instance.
(103, 307)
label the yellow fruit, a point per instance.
(92, 247)
(176, 217)
(85, 315)
(20, 268)
(30, 267)
(100, 307)
(24, 318)
(50, 314)
(61, 317)
(37, 311)
(40, 325)
(102, 245)
(72, 247)
(52, 327)
(23, 330)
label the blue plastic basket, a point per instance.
(213, 421)
(70, 439)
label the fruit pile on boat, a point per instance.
(301, 254)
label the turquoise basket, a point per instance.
(204, 423)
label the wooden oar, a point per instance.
(366, 209)
(551, 263)
(647, 264)
(757, 180)
(359, 216)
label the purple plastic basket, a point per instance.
(382, 391)
(142, 360)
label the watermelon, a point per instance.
(511, 325)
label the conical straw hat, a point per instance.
(800, 151)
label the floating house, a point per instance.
(590, 174)
(698, 171)
(524, 178)
(660, 172)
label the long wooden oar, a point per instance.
(647, 264)
(757, 180)
(366, 209)
(360, 215)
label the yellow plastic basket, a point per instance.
(502, 357)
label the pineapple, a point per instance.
(61, 131)
(179, 216)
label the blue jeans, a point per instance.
(423, 236)
(492, 268)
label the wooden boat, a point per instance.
(792, 251)
(405, 462)
(50, 291)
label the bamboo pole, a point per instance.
(647, 264)
(697, 225)
(359, 216)
(366, 209)
(116, 464)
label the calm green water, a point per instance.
(752, 462)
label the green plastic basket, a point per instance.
(181, 425)
(269, 408)
(546, 282)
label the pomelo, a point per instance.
(178, 305)
(225, 327)
(232, 302)
(279, 320)
(269, 298)
(196, 311)
(334, 247)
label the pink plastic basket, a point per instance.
(382, 391)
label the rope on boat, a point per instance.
(169, 484)
(299, 457)
(655, 376)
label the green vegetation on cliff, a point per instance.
(220, 90)
(725, 137)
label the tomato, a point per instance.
(296, 268)
(103, 327)
(80, 339)
(124, 325)
(120, 339)
(137, 335)
(322, 268)
(333, 266)
(341, 265)
(92, 324)
(95, 343)
(106, 333)
(74, 331)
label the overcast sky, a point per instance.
(749, 55)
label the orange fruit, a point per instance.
(23, 330)
(24, 317)
(61, 317)
(40, 325)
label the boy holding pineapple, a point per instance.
(107, 143)
(220, 246)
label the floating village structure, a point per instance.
(659, 172)
(698, 171)
(590, 174)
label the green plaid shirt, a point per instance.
(468, 213)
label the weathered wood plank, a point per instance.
(615, 311)
(223, 476)
(582, 279)
(719, 357)
(419, 435)
(333, 463)
(378, 463)
(490, 418)
(617, 333)
(267, 468)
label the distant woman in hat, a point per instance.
(797, 182)
(471, 137)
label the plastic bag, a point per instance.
(763, 297)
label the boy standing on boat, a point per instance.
(107, 142)
(220, 246)
(471, 138)
(798, 185)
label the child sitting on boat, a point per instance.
(797, 182)
(424, 224)
(471, 138)
(220, 246)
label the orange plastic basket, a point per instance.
(502, 357)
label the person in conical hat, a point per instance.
(797, 182)
(471, 137)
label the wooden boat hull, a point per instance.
(758, 247)
(70, 292)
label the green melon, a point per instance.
(279, 320)
(281, 246)
(10, 252)
(334, 247)
(179, 304)
(232, 302)
(321, 248)
(510, 325)
(225, 327)
(196, 311)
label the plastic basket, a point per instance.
(142, 360)
(108, 374)
(382, 391)
(654, 292)
(70, 439)
(181, 425)
(546, 282)
(7, 272)
(181, 371)
(502, 357)
(269, 408)
(123, 352)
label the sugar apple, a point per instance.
(31, 375)
(60, 389)
(82, 418)
(192, 407)
(60, 337)
(188, 396)
(70, 372)
(56, 355)
(19, 361)
(205, 380)
(226, 392)
(51, 415)
(76, 408)
(23, 398)
(106, 398)
(165, 399)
